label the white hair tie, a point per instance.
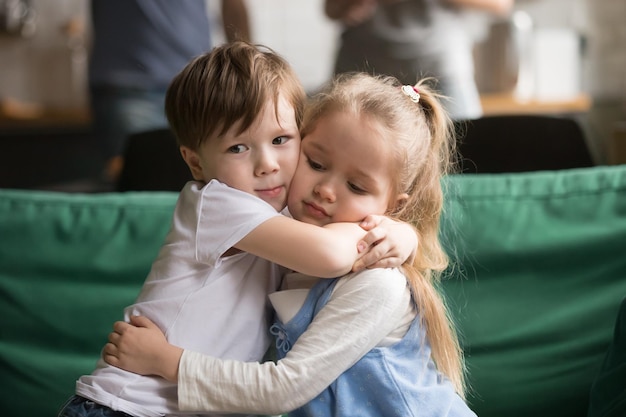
(411, 92)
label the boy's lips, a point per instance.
(271, 192)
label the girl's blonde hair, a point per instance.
(422, 140)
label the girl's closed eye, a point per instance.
(314, 165)
(356, 189)
(237, 148)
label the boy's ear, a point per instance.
(192, 159)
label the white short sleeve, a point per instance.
(219, 216)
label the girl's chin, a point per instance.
(309, 219)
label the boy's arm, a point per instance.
(335, 249)
(227, 218)
(326, 252)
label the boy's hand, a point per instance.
(387, 244)
(141, 347)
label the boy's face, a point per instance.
(344, 173)
(260, 161)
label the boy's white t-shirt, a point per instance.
(205, 303)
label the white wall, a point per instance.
(296, 29)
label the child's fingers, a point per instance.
(375, 254)
(386, 263)
(142, 321)
(110, 354)
(114, 338)
(120, 326)
(372, 238)
(371, 221)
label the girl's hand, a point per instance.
(141, 347)
(387, 244)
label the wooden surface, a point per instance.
(498, 104)
(19, 115)
(12, 115)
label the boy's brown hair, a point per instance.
(229, 84)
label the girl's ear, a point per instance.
(192, 159)
(401, 200)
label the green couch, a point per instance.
(539, 271)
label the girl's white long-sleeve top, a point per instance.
(367, 309)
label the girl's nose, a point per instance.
(325, 191)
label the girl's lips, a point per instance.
(315, 211)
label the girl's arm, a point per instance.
(360, 313)
(333, 250)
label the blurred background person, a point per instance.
(138, 47)
(411, 39)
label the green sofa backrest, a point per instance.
(539, 274)
(69, 264)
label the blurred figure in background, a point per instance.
(138, 47)
(411, 39)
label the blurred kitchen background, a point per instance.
(557, 57)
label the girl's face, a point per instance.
(344, 172)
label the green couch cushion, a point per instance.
(539, 274)
(608, 392)
(69, 264)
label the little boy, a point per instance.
(236, 113)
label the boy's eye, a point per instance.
(237, 149)
(281, 140)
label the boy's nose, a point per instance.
(266, 164)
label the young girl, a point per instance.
(380, 344)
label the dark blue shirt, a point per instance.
(145, 43)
